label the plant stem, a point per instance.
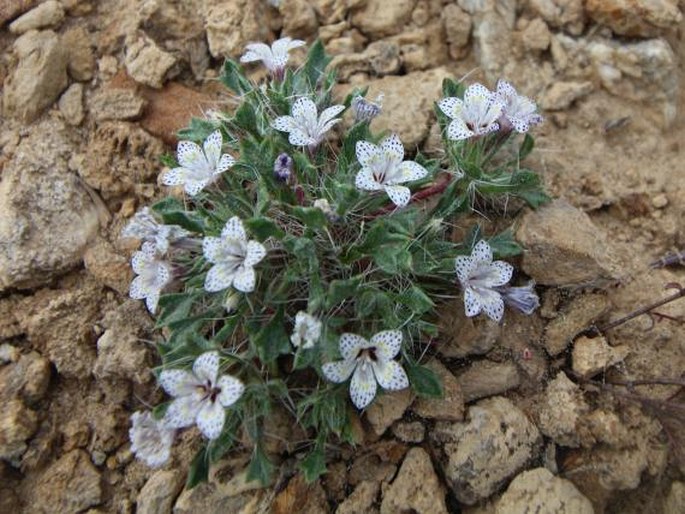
(437, 188)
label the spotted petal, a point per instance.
(234, 229)
(299, 138)
(452, 107)
(182, 411)
(399, 195)
(178, 382)
(244, 279)
(392, 148)
(464, 266)
(256, 52)
(366, 181)
(284, 123)
(213, 249)
(191, 156)
(338, 371)
(231, 390)
(350, 344)
(457, 130)
(482, 253)
(285, 44)
(492, 304)
(212, 147)
(152, 300)
(210, 419)
(304, 109)
(500, 273)
(175, 176)
(206, 367)
(327, 116)
(390, 375)
(387, 343)
(219, 277)
(225, 163)
(255, 253)
(363, 386)
(410, 170)
(472, 303)
(139, 289)
(366, 152)
(505, 89)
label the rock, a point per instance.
(451, 406)
(17, 424)
(492, 43)
(27, 378)
(71, 105)
(231, 24)
(675, 501)
(467, 336)
(536, 36)
(592, 355)
(81, 65)
(643, 70)
(379, 18)
(46, 217)
(362, 499)
(578, 315)
(116, 104)
(109, 267)
(416, 488)
(47, 14)
(11, 8)
(71, 484)
(9, 353)
(409, 431)
(457, 24)
(566, 14)
(580, 254)
(486, 378)
(160, 491)
(635, 18)
(537, 490)
(561, 95)
(299, 496)
(482, 453)
(147, 63)
(371, 467)
(121, 352)
(407, 105)
(40, 75)
(562, 424)
(384, 57)
(170, 109)
(388, 408)
(120, 157)
(299, 18)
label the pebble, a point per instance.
(47, 14)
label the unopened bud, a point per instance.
(283, 167)
(366, 110)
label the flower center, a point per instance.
(209, 391)
(368, 354)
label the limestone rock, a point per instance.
(492, 43)
(40, 75)
(231, 24)
(159, 493)
(27, 378)
(71, 484)
(578, 315)
(409, 431)
(379, 18)
(561, 95)
(560, 411)
(635, 18)
(408, 104)
(451, 406)
(675, 501)
(467, 336)
(299, 18)
(147, 63)
(592, 355)
(566, 14)
(17, 424)
(384, 57)
(116, 104)
(495, 442)
(362, 499)
(299, 496)
(46, 216)
(109, 267)
(537, 490)
(12, 8)
(536, 36)
(78, 43)
(458, 26)
(47, 14)
(486, 378)
(71, 105)
(388, 408)
(579, 254)
(416, 488)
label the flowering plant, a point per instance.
(302, 258)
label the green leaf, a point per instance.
(452, 88)
(263, 228)
(315, 65)
(526, 147)
(173, 212)
(393, 258)
(260, 467)
(310, 216)
(342, 289)
(270, 340)
(535, 198)
(174, 307)
(246, 119)
(504, 244)
(424, 381)
(198, 130)
(416, 300)
(314, 464)
(199, 469)
(233, 78)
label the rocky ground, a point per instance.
(533, 420)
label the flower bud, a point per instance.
(231, 302)
(283, 167)
(366, 110)
(523, 298)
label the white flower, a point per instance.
(523, 298)
(305, 127)
(480, 277)
(520, 112)
(198, 166)
(475, 115)
(383, 169)
(369, 362)
(307, 329)
(234, 258)
(274, 58)
(151, 439)
(366, 110)
(144, 226)
(200, 397)
(153, 276)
